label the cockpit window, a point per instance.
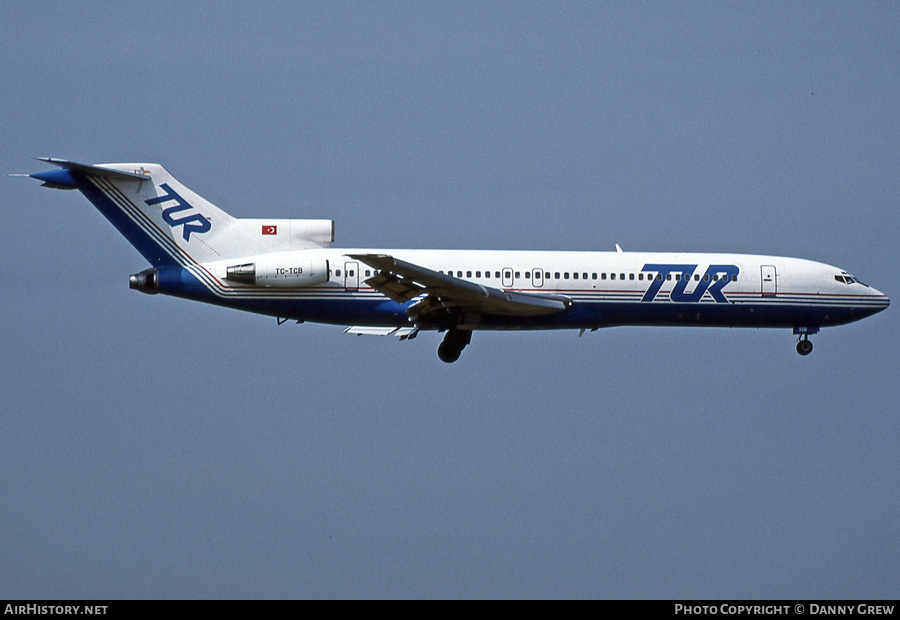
(846, 278)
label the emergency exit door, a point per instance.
(351, 276)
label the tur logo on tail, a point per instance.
(194, 223)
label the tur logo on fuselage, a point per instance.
(193, 223)
(713, 281)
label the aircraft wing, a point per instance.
(402, 281)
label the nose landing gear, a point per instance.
(804, 346)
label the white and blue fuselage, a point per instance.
(288, 269)
(606, 289)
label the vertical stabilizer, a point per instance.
(169, 224)
(166, 221)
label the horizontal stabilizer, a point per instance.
(97, 171)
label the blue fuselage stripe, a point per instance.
(342, 307)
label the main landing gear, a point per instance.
(804, 346)
(454, 343)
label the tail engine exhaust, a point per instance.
(146, 281)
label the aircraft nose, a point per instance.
(880, 300)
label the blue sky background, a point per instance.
(152, 447)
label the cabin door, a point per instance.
(769, 283)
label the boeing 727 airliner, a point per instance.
(286, 268)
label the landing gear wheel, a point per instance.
(804, 346)
(448, 353)
(454, 343)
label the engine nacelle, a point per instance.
(284, 272)
(280, 235)
(318, 231)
